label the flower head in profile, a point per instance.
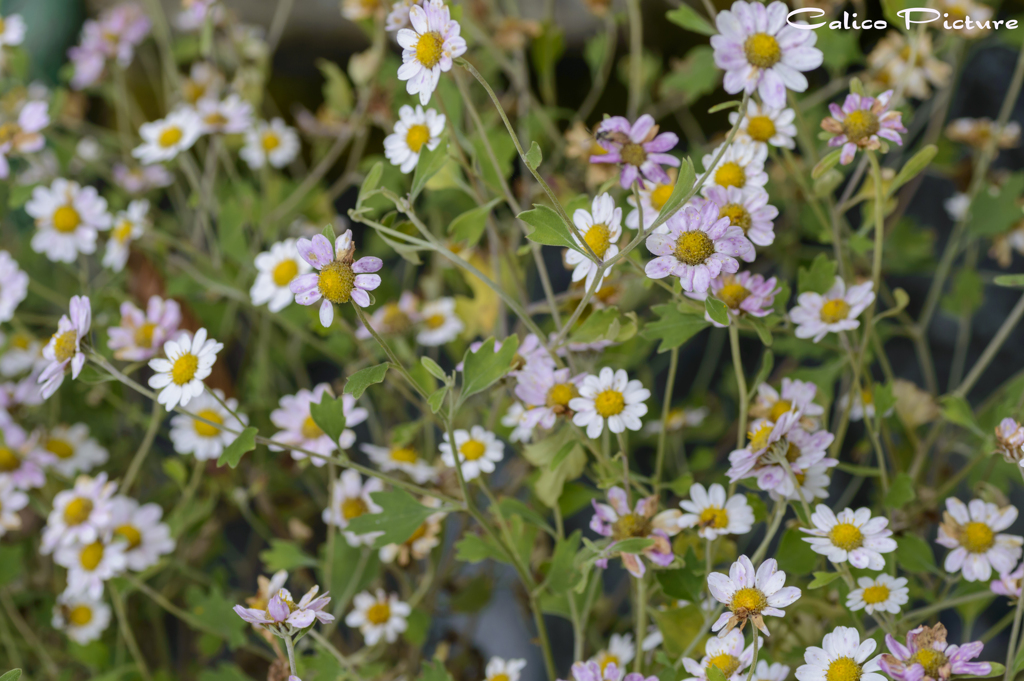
(21, 460)
(609, 397)
(339, 277)
(1010, 440)
(298, 429)
(65, 347)
(478, 451)
(928, 657)
(882, 593)
(750, 595)
(637, 147)
(818, 315)
(275, 143)
(974, 532)
(282, 614)
(743, 294)
(795, 395)
(620, 652)
(429, 45)
(12, 501)
(401, 457)
(129, 225)
(852, 536)
(842, 657)
(22, 136)
(350, 498)
(13, 286)
(713, 514)
(207, 439)
(138, 526)
(68, 217)
(860, 123)
(179, 374)
(600, 228)
(766, 125)
(618, 521)
(414, 131)
(378, 616)
(1009, 583)
(141, 335)
(393, 317)
(759, 51)
(81, 617)
(725, 653)
(164, 139)
(277, 268)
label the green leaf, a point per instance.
(245, 442)
(358, 382)
(401, 515)
(562, 574)
(436, 399)
(511, 506)
(684, 583)
(688, 18)
(827, 163)
(469, 226)
(734, 104)
(12, 675)
(884, 399)
(823, 579)
(717, 310)
(418, 626)
(329, 414)
(473, 548)
(819, 277)
(337, 90)
(430, 162)
(1010, 281)
(993, 214)
(543, 454)
(684, 183)
(760, 326)
(680, 627)
(434, 671)
(433, 367)
(632, 545)
(485, 366)
(328, 232)
(901, 491)
(694, 76)
(673, 328)
(914, 554)
(285, 555)
(606, 325)
(12, 562)
(715, 674)
(956, 410)
(794, 554)
(911, 168)
(370, 183)
(967, 293)
(548, 228)
(534, 156)
(213, 615)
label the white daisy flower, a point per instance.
(200, 439)
(750, 595)
(205, 82)
(747, 209)
(80, 515)
(129, 225)
(842, 657)
(274, 143)
(610, 396)
(13, 286)
(741, 166)
(600, 228)
(414, 130)
(378, 616)
(179, 375)
(21, 461)
(351, 499)
(775, 671)
(140, 529)
(393, 317)
(72, 450)
(795, 395)
(813, 483)
(440, 323)
(713, 514)
(403, 458)
(340, 277)
(499, 669)
(229, 116)
(766, 125)
(852, 536)
(164, 139)
(12, 30)
(277, 268)
(974, 533)
(141, 335)
(863, 405)
(82, 618)
(298, 429)
(653, 197)
(67, 218)
(478, 449)
(22, 136)
(882, 593)
(90, 565)
(515, 418)
(12, 500)
(398, 15)
(818, 315)
(620, 652)
(428, 47)
(64, 348)
(23, 353)
(726, 653)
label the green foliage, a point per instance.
(688, 18)
(329, 414)
(244, 443)
(400, 516)
(819, 277)
(358, 382)
(548, 228)
(995, 211)
(674, 327)
(285, 555)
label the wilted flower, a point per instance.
(637, 147)
(282, 614)
(861, 122)
(617, 521)
(927, 657)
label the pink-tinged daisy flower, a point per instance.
(743, 294)
(860, 123)
(547, 392)
(129, 225)
(13, 286)
(852, 536)
(928, 657)
(298, 429)
(12, 501)
(817, 315)
(515, 418)
(726, 654)
(350, 499)
(618, 522)
(229, 116)
(796, 395)
(80, 514)
(750, 595)
(698, 247)
(1009, 436)
(770, 443)
(763, 434)
(974, 533)
(759, 51)
(842, 657)
(139, 527)
(339, 279)
(141, 335)
(65, 347)
(394, 317)
(653, 197)
(179, 375)
(67, 218)
(140, 180)
(285, 615)
(620, 652)
(600, 228)
(1009, 583)
(766, 125)
(594, 671)
(414, 130)
(882, 593)
(748, 210)
(21, 460)
(638, 148)
(610, 396)
(428, 47)
(713, 514)
(741, 166)
(22, 137)
(164, 139)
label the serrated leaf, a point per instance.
(473, 548)
(683, 583)
(688, 18)
(684, 183)
(901, 491)
(485, 366)
(912, 167)
(469, 226)
(914, 554)
(329, 415)
(823, 579)
(431, 161)
(956, 410)
(534, 156)
(673, 328)
(819, 277)
(285, 555)
(400, 516)
(605, 325)
(233, 453)
(717, 310)
(548, 228)
(358, 382)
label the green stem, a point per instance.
(641, 622)
(666, 407)
(155, 419)
(126, 631)
(741, 385)
(290, 645)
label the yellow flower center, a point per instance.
(123, 231)
(726, 663)
(8, 131)
(609, 403)
(144, 335)
(778, 409)
(716, 518)
(843, 669)
(270, 141)
(879, 593)
(59, 448)
(560, 394)
(184, 369)
(605, 659)
(66, 219)
(846, 536)
(759, 438)
(215, 119)
(337, 281)
(760, 128)
(404, 455)
(860, 124)
(762, 50)
(977, 537)
(429, 49)
(750, 600)
(733, 294)
(284, 272)
(499, 677)
(633, 154)
(170, 136)
(9, 461)
(77, 511)
(472, 450)
(379, 613)
(91, 556)
(730, 174)
(694, 247)
(353, 507)
(660, 195)
(310, 430)
(417, 136)
(205, 429)
(420, 532)
(131, 534)
(435, 321)
(394, 318)
(932, 661)
(835, 311)
(80, 615)
(65, 346)
(737, 214)
(630, 525)
(598, 238)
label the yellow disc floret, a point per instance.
(184, 369)
(207, 429)
(835, 311)
(609, 403)
(762, 50)
(846, 536)
(430, 49)
(860, 124)
(417, 136)
(730, 174)
(285, 271)
(694, 247)
(337, 281)
(760, 128)
(66, 219)
(472, 450)
(977, 537)
(170, 136)
(843, 669)
(598, 238)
